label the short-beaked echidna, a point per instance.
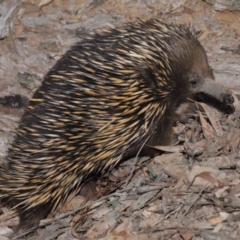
(107, 96)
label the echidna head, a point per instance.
(188, 61)
(191, 75)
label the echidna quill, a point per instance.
(107, 96)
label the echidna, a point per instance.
(107, 96)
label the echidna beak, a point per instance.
(216, 95)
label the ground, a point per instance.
(189, 191)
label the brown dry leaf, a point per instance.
(218, 220)
(153, 208)
(8, 218)
(44, 2)
(143, 199)
(67, 235)
(73, 204)
(121, 232)
(235, 190)
(207, 129)
(58, 3)
(103, 225)
(100, 213)
(58, 228)
(218, 228)
(202, 143)
(221, 192)
(181, 180)
(224, 215)
(125, 204)
(31, 8)
(152, 8)
(119, 173)
(194, 149)
(210, 178)
(168, 157)
(19, 30)
(215, 220)
(77, 218)
(189, 134)
(177, 172)
(150, 221)
(218, 162)
(212, 114)
(187, 234)
(200, 225)
(233, 139)
(201, 176)
(178, 148)
(180, 128)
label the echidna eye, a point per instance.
(193, 81)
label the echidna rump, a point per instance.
(107, 96)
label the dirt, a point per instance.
(189, 191)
